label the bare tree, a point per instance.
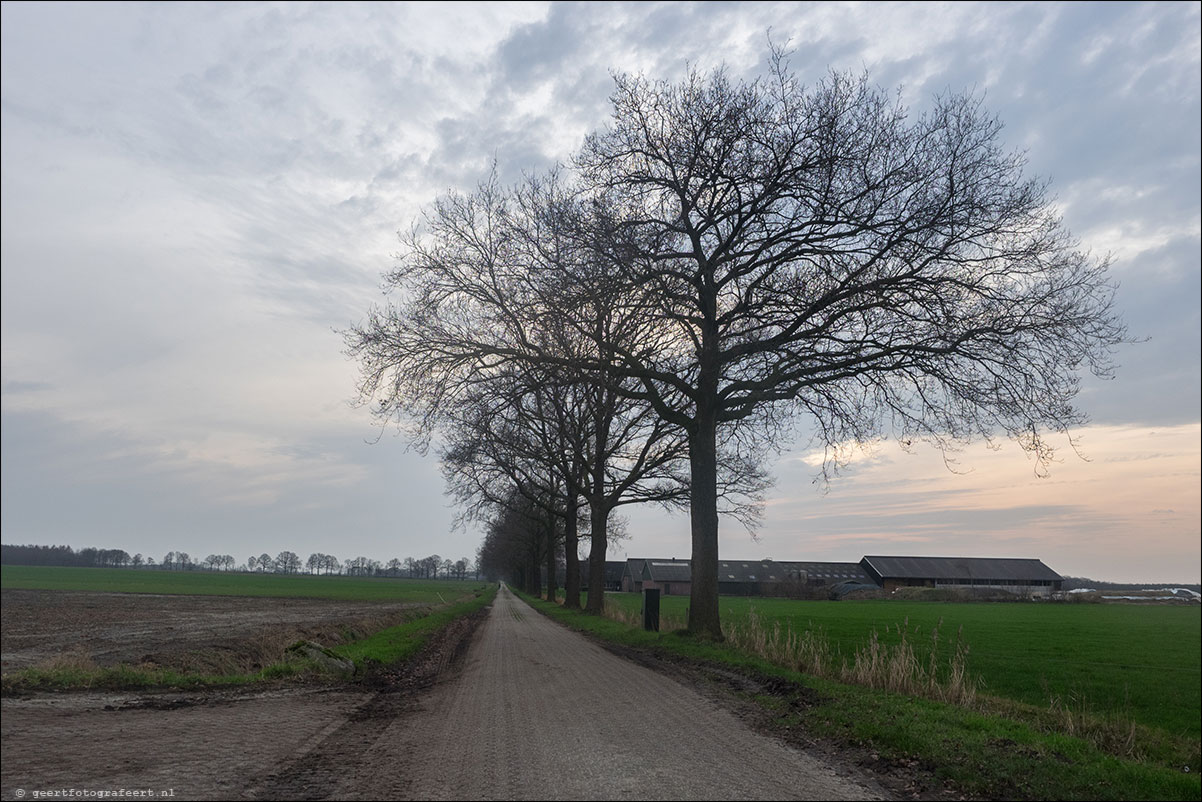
(513, 542)
(493, 449)
(287, 562)
(821, 252)
(526, 401)
(362, 566)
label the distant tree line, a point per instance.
(65, 555)
(286, 562)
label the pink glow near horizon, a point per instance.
(1128, 511)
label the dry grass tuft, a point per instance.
(667, 623)
(894, 667)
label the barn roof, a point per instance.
(748, 571)
(613, 570)
(1002, 568)
(826, 571)
(667, 571)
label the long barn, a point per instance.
(1021, 576)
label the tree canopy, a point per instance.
(771, 250)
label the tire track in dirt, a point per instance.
(340, 756)
(200, 745)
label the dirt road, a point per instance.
(542, 713)
(535, 712)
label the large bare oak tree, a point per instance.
(821, 251)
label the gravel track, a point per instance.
(540, 712)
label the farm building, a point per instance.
(1024, 577)
(738, 577)
(613, 574)
(821, 573)
(746, 577)
(671, 577)
(782, 577)
(632, 575)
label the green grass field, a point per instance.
(1135, 661)
(216, 583)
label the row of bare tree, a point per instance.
(647, 323)
(286, 562)
(432, 567)
(14, 554)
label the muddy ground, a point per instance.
(220, 634)
(228, 743)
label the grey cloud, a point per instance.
(16, 387)
(538, 51)
(113, 498)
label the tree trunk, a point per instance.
(534, 583)
(703, 501)
(596, 559)
(551, 579)
(598, 506)
(571, 553)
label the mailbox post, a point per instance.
(651, 609)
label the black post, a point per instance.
(651, 609)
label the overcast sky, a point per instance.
(196, 197)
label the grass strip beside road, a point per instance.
(400, 643)
(982, 752)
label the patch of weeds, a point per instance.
(401, 642)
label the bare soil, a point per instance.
(230, 743)
(218, 634)
(505, 705)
